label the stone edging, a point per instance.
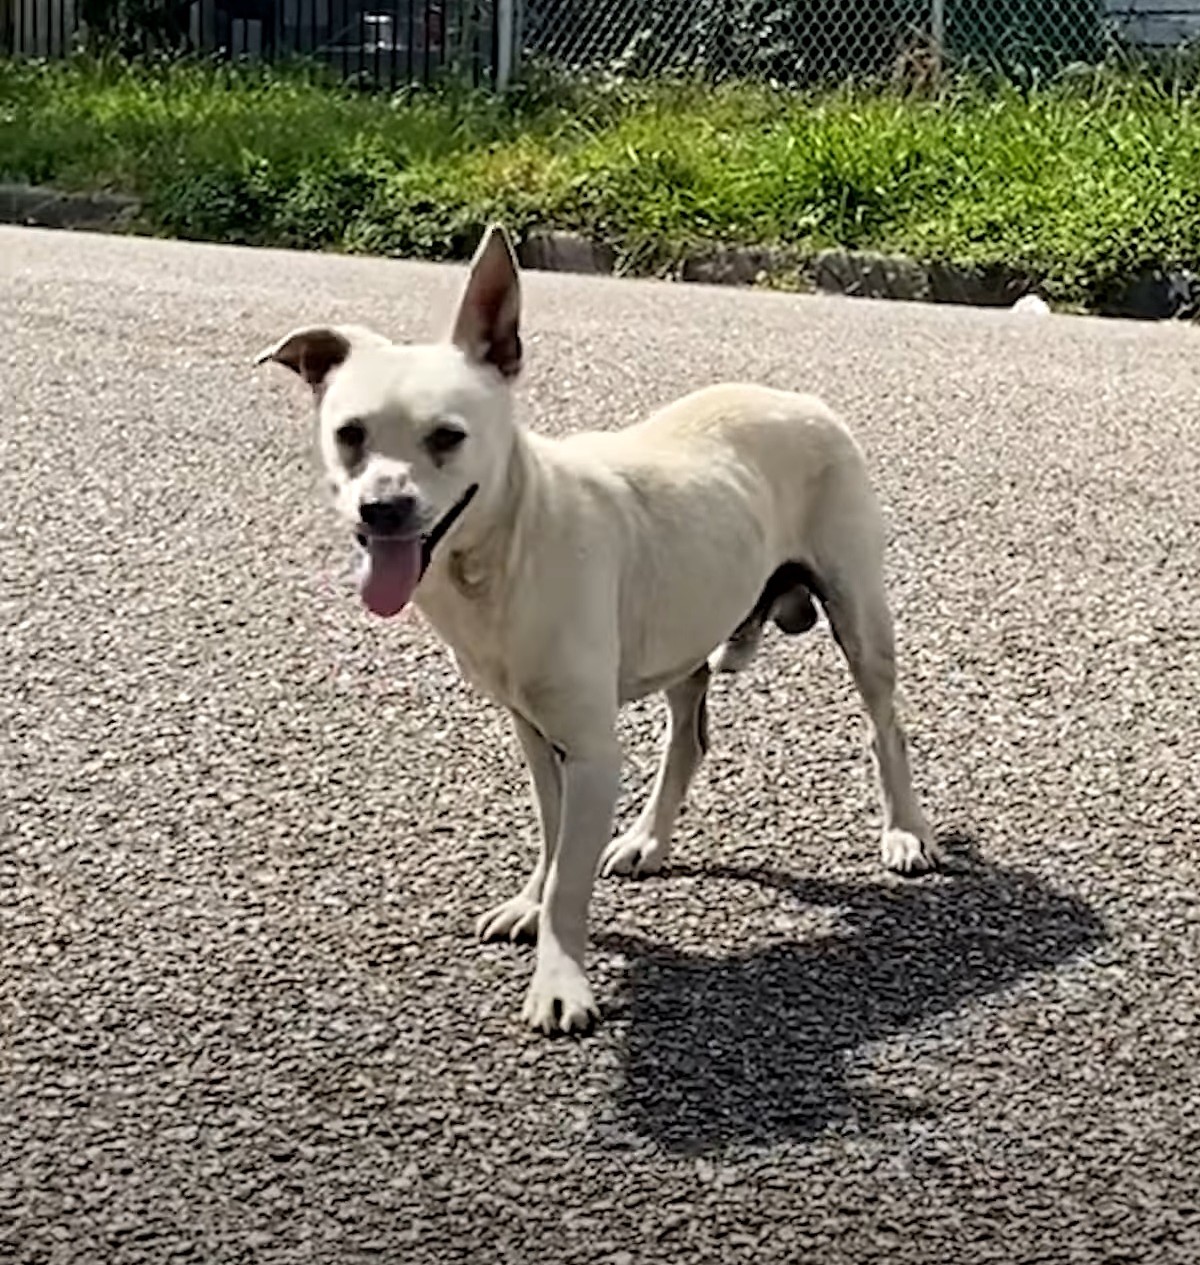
(1159, 294)
(50, 208)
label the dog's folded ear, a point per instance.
(487, 324)
(314, 350)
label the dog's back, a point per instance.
(774, 449)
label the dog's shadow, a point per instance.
(751, 1047)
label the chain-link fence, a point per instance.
(805, 41)
(389, 42)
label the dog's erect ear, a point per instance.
(312, 352)
(487, 325)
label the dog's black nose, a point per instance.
(389, 517)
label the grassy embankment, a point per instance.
(1079, 182)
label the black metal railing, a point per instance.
(386, 43)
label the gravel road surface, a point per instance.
(245, 829)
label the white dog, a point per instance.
(572, 576)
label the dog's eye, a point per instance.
(443, 440)
(351, 434)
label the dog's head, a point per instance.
(413, 436)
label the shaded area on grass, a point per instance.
(1078, 183)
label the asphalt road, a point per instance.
(245, 829)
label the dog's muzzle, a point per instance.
(395, 560)
(395, 516)
(386, 520)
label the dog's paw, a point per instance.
(559, 999)
(907, 853)
(636, 853)
(514, 920)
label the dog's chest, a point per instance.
(486, 673)
(475, 633)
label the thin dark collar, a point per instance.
(430, 543)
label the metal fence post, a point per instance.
(506, 28)
(518, 38)
(937, 23)
(937, 33)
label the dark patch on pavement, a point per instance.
(750, 1047)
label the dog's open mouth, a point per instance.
(392, 566)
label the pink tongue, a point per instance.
(389, 574)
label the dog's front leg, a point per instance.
(517, 919)
(560, 998)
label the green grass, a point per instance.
(1078, 182)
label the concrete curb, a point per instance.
(1156, 294)
(546, 251)
(49, 208)
(898, 277)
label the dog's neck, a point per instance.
(470, 562)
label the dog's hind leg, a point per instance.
(786, 601)
(643, 848)
(736, 654)
(851, 588)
